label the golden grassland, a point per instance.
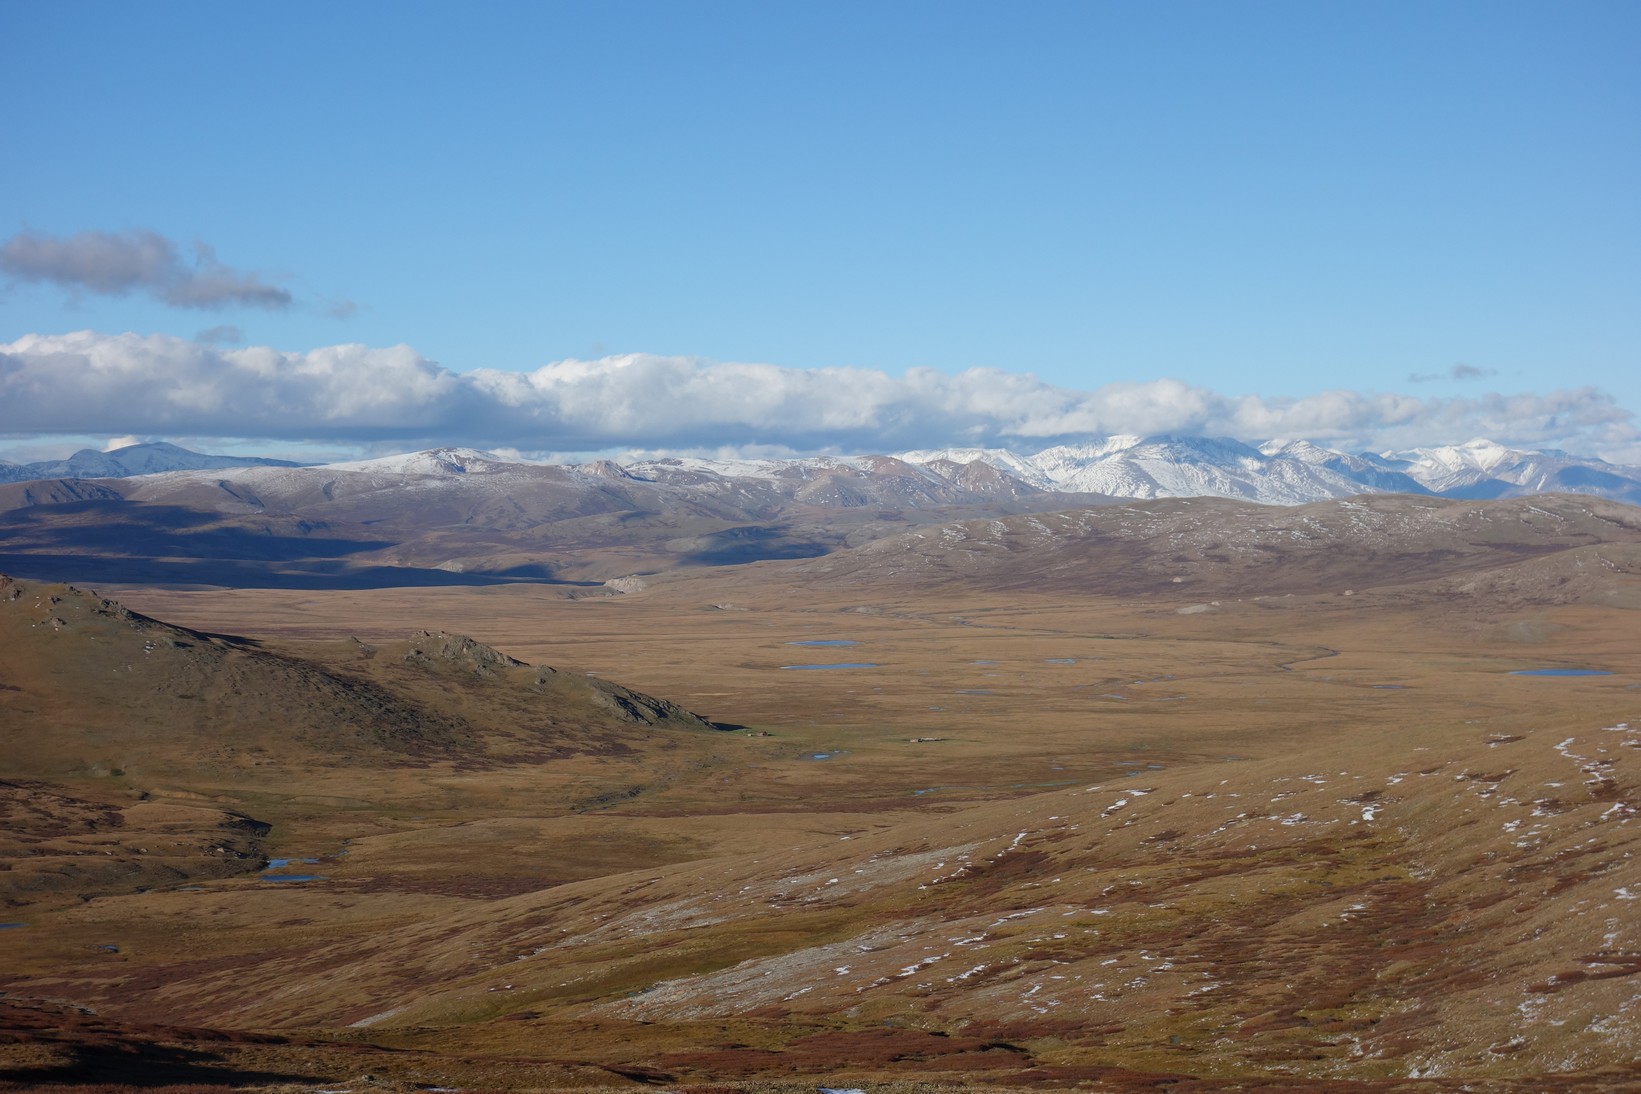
(1307, 842)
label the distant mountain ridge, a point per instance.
(1276, 472)
(135, 459)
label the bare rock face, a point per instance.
(458, 649)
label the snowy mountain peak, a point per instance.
(433, 461)
(1479, 454)
(1001, 458)
(1298, 450)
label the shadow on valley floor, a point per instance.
(334, 576)
(149, 1067)
(173, 531)
(753, 543)
(50, 1047)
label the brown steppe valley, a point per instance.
(1204, 808)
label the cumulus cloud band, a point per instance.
(91, 383)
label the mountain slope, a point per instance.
(1208, 548)
(460, 516)
(1283, 472)
(449, 517)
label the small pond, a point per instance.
(824, 642)
(286, 863)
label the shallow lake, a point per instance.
(824, 642)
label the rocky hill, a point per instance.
(94, 690)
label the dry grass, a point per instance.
(1327, 882)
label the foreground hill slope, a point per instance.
(1466, 914)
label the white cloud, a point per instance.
(158, 385)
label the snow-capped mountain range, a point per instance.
(1280, 472)
(1294, 472)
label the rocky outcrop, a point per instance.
(458, 649)
(635, 706)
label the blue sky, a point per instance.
(1375, 224)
